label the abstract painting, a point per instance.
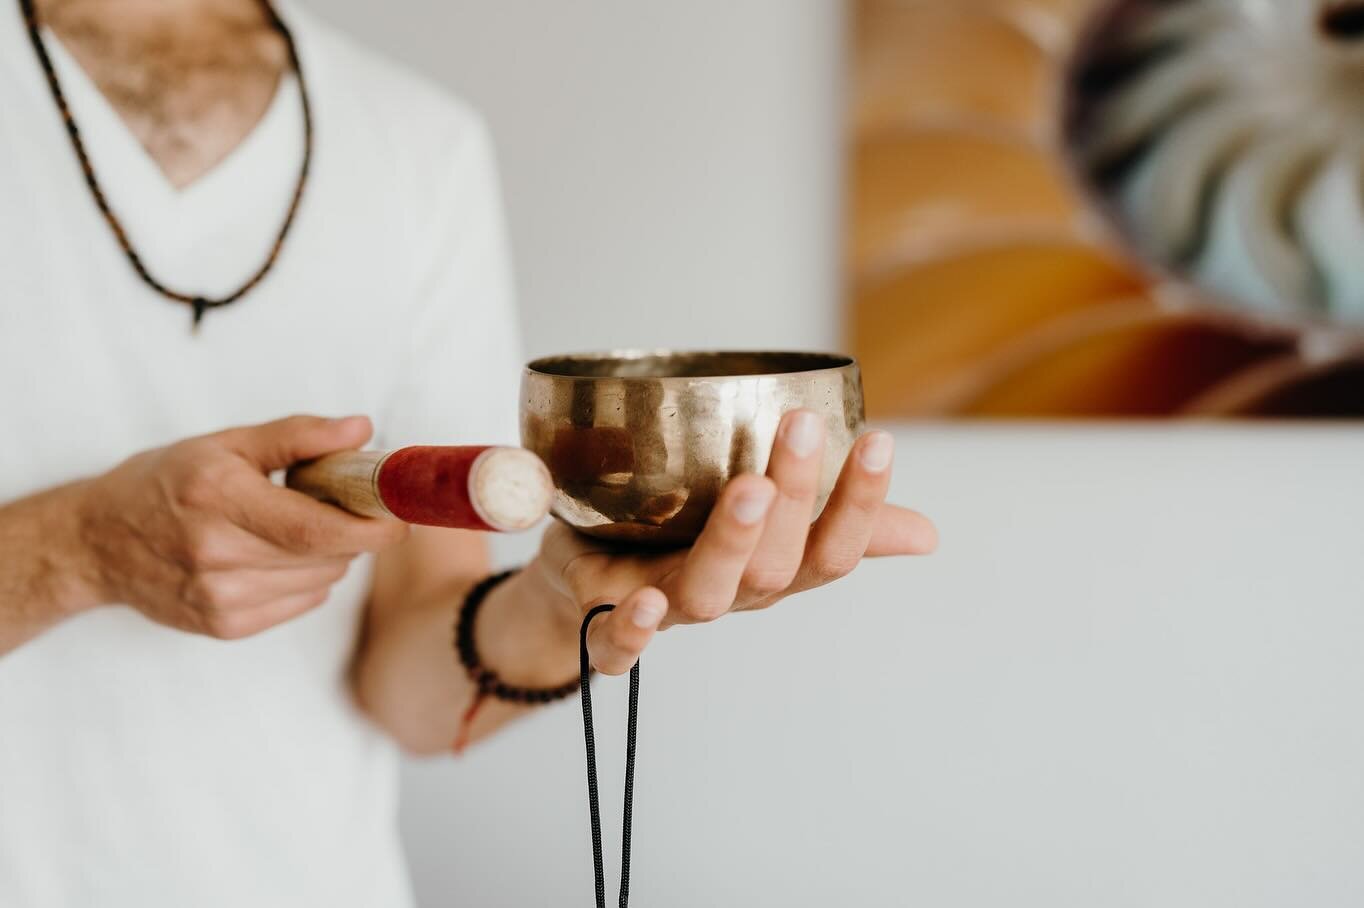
(1092, 209)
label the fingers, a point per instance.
(276, 445)
(250, 587)
(247, 622)
(288, 520)
(794, 468)
(236, 604)
(840, 537)
(704, 587)
(615, 640)
(297, 524)
(900, 531)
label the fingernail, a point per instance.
(751, 507)
(876, 452)
(802, 434)
(648, 613)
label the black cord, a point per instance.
(589, 737)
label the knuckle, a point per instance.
(195, 592)
(210, 592)
(199, 486)
(229, 626)
(832, 566)
(703, 611)
(864, 503)
(799, 486)
(197, 451)
(204, 550)
(768, 580)
(736, 542)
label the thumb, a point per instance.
(279, 444)
(615, 641)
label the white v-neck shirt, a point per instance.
(141, 766)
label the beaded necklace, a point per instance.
(198, 302)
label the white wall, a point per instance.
(1132, 677)
(670, 168)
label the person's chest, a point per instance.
(94, 365)
(189, 87)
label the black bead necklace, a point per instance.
(198, 302)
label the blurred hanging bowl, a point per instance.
(639, 443)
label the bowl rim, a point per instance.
(832, 362)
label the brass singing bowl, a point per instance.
(639, 443)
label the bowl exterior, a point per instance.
(641, 460)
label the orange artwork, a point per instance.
(1076, 208)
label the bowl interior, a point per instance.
(684, 364)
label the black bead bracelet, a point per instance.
(487, 680)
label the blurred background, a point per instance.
(1131, 676)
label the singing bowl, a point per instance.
(639, 443)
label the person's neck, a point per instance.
(133, 14)
(190, 78)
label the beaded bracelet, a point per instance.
(487, 681)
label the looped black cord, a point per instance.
(589, 738)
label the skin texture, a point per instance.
(189, 78)
(528, 628)
(195, 536)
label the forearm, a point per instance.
(44, 576)
(408, 676)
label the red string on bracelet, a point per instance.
(486, 681)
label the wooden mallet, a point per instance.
(474, 487)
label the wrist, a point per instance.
(69, 576)
(561, 613)
(525, 632)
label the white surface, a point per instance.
(671, 168)
(1131, 677)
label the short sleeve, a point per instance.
(460, 380)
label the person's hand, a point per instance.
(197, 537)
(758, 547)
